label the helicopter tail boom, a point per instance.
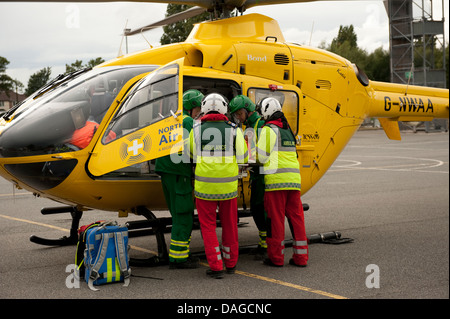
(396, 102)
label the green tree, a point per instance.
(345, 44)
(94, 62)
(6, 82)
(18, 87)
(376, 64)
(38, 80)
(434, 56)
(440, 62)
(346, 35)
(179, 31)
(78, 64)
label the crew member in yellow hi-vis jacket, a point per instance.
(277, 152)
(217, 146)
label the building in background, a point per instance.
(9, 99)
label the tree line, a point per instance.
(377, 63)
(38, 79)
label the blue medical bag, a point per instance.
(106, 255)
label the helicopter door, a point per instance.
(147, 124)
(268, 60)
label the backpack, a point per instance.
(81, 246)
(105, 254)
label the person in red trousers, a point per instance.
(217, 146)
(277, 152)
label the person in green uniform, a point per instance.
(243, 111)
(176, 180)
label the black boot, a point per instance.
(190, 263)
(215, 274)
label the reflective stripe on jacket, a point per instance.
(217, 146)
(277, 152)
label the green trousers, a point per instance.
(257, 206)
(178, 194)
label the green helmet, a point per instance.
(191, 99)
(241, 101)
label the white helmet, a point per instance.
(214, 102)
(268, 106)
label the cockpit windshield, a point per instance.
(154, 98)
(63, 117)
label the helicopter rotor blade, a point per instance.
(208, 4)
(189, 13)
(220, 5)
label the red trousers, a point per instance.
(228, 218)
(281, 204)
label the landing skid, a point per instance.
(158, 227)
(63, 241)
(333, 237)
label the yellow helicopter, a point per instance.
(131, 106)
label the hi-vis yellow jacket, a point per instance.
(217, 146)
(277, 152)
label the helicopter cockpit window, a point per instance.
(154, 98)
(65, 118)
(288, 100)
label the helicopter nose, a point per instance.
(42, 175)
(51, 121)
(45, 130)
(42, 132)
(39, 133)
